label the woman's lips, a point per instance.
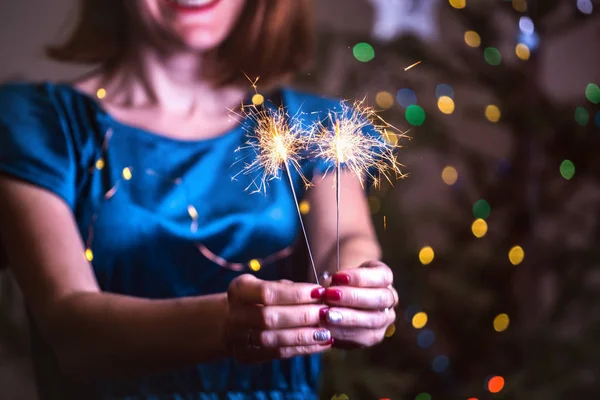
(191, 5)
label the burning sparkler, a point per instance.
(347, 142)
(276, 141)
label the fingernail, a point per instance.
(333, 294)
(334, 316)
(317, 293)
(322, 335)
(323, 314)
(328, 343)
(340, 278)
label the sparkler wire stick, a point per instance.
(337, 209)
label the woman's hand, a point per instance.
(274, 319)
(361, 305)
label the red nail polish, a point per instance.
(333, 294)
(340, 278)
(323, 314)
(317, 293)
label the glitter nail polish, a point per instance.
(322, 335)
(334, 316)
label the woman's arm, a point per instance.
(92, 331)
(358, 242)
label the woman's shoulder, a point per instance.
(18, 97)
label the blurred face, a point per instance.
(197, 25)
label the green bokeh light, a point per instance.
(481, 209)
(415, 115)
(567, 169)
(423, 396)
(492, 56)
(592, 92)
(582, 116)
(363, 52)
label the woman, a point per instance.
(131, 243)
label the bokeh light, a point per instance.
(419, 320)
(193, 213)
(444, 89)
(472, 39)
(304, 207)
(89, 255)
(410, 312)
(479, 228)
(531, 41)
(481, 209)
(363, 52)
(526, 25)
(449, 175)
(340, 397)
(501, 322)
(519, 5)
(598, 119)
(426, 255)
(258, 99)
(492, 113)
(446, 105)
(384, 99)
(522, 51)
(406, 97)
(415, 115)
(516, 255)
(390, 136)
(582, 116)
(592, 93)
(100, 164)
(472, 398)
(585, 6)
(458, 3)
(495, 384)
(492, 56)
(390, 330)
(254, 265)
(101, 93)
(440, 364)
(425, 338)
(567, 169)
(127, 173)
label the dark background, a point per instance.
(550, 349)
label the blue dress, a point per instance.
(161, 218)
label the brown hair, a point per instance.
(272, 39)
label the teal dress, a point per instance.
(161, 218)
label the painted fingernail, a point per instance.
(317, 293)
(334, 316)
(323, 314)
(340, 278)
(322, 335)
(333, 294)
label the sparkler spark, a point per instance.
(412, 66)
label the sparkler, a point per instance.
(276, 141)
(347, 142)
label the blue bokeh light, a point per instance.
(406, 97)
(425, 338)
(410, 312)
(444, 89)
(440, 364)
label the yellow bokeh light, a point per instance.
(258, 99)
(501, 322)
(100, 163)
(516, 255)
(519, 5)
(446, 104)
(419, 320)
(254, 265)
(340, 397)
(449, 175)
(384, 99)
(193, 212)
(426, 255)
(492, 113)
(390, 330)
(479, 228)
(522, 51)
(374, 204)
(127, 173)
(458, 3)
(101, 93)
(390, 137)
(304, 207)
(89, 255)
(472, 39)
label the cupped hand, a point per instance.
(269, 320)
(361, 305)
